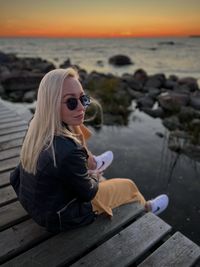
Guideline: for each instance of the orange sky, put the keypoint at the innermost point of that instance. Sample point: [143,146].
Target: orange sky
[102,18]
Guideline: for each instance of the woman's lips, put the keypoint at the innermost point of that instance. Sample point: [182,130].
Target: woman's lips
[81,116]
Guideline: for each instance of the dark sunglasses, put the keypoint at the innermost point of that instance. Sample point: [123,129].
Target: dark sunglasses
[72,102]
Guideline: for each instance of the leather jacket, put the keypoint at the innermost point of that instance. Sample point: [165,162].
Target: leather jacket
[58,198]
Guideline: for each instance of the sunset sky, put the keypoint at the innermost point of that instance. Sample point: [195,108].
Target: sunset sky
[102,18]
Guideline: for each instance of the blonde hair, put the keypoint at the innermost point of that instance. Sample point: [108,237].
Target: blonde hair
[46,122]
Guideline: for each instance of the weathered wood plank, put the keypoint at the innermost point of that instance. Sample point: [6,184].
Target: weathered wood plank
[13,129]
[17,118]
[12,124]
[12,214]
[10,144]
[4,178]
[8,164]
[19,238]
[65,247]
[11,136]
[4,110]
[7,114]
[7,194]
[178,251]
[9,153]
[128,245]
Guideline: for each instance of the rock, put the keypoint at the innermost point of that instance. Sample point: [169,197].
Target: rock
[120,60]
[66,64]
[156,81]
[155,113]
[173,101]
[167,43]
[100,63]
[2,90]
[161,135]
[170,84]
[29,96]
[172,123]
[140,76]
[145,102]
[131,82]
[190,82]
[195,102]
[186,114]
[22,81]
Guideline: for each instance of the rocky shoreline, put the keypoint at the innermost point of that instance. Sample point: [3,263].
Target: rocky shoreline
[175,100]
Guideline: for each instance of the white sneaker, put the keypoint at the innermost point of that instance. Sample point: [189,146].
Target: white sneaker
[159,204]
[103,161]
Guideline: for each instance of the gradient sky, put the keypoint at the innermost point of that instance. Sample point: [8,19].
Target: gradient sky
[102,18]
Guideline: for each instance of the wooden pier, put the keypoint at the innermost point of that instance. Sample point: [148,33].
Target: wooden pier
[131,238]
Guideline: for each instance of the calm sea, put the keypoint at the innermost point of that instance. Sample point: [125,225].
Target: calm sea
[168,55]
[139,153]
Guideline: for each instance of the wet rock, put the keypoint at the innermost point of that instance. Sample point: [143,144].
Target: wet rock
[120,60]
[155,113]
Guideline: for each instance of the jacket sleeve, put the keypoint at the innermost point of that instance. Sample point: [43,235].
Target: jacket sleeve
[15,179]
[74,172]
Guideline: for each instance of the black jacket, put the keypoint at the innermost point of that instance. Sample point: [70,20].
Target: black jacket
[58,197]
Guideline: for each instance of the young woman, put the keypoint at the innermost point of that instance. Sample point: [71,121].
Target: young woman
[52,180]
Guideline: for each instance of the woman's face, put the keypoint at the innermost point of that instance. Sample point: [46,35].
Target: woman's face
[72,89]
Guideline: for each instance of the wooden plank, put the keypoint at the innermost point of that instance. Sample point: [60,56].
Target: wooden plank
[7,194]
[10,153]
[7,114]
[8,164]
[13,129]
[65,247]
[19,238]
[12,214]
[128,245]
[178,251]
[10,144]
[12,124]
[11,136]
[4,110]
[17,118]
[4,178]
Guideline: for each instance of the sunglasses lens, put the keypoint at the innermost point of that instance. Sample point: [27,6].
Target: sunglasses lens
[72,103]
[85,100]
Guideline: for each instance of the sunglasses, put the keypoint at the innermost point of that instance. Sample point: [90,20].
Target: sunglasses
[72,102]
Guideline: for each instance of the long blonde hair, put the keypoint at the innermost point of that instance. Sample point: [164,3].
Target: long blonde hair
[46,122]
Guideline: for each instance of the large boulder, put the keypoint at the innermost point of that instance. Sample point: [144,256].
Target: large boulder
[120,60]
[173,101]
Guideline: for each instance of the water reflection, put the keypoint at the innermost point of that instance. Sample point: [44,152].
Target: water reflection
[142,155]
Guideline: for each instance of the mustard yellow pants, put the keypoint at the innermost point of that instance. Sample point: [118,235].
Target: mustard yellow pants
[115,192]
[112,193]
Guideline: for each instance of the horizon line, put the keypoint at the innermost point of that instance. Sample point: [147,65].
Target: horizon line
[100,37]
